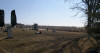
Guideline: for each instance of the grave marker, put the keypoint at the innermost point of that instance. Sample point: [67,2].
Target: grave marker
[9,32]
[35,27]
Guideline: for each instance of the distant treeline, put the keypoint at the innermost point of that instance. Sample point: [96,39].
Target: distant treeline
[62,28]
[58,28]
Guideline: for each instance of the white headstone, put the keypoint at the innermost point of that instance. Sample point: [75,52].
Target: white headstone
[9,32]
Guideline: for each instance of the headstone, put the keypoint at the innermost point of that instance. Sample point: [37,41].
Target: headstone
[38,32]
[35,27]
[9,30]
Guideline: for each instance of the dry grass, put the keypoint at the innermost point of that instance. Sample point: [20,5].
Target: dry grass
[48,42]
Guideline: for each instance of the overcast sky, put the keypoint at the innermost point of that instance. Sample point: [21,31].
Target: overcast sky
[43,12]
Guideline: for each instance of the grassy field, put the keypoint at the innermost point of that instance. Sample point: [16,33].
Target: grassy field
[26,41]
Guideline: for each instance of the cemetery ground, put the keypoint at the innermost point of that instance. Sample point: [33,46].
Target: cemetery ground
[26,41]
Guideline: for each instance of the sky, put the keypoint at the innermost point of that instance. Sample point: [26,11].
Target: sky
[43,12]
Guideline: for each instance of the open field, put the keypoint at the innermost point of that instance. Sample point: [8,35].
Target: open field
[26,41]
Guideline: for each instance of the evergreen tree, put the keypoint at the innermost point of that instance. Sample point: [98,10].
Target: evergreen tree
[13,18]
[1,18]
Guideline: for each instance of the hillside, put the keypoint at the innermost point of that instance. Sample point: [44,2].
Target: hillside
[26,41]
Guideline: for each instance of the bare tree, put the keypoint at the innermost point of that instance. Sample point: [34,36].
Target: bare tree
[92,7]
[92,10]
